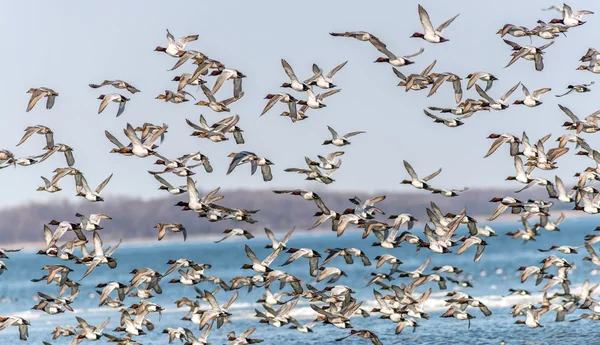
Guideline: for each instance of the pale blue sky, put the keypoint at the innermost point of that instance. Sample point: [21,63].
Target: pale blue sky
[66,48]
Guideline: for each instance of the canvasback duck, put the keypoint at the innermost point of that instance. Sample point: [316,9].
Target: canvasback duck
[280,97]
[416,81]
[185,79]
[172,227]
[571,18]
[224,75]
[119,84]
[175,47]
[295,84]
[487,77]
[359,35]
[16,321]
[392,59]
[214,104]
[216,133]
[184,56]
[113,97]
[580,88]
[340,140]
[432,35]
[67,150]
[593,67]
[514,30]
[365,334]
[453,122]
[449,77]
[175,97]
[38,129]
[324,82]
[415,181]
[49,187]
[529,53]
[591,55]
[532,100]
[316,101]
[39,93]
[549,31]
[255,161]
[90,195]
[497,104]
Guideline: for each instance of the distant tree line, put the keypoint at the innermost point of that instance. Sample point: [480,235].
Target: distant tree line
[135,218]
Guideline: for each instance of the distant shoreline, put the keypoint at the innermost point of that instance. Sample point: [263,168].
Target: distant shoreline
[177,238]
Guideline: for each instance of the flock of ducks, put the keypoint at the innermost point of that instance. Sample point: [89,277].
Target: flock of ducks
[334,304]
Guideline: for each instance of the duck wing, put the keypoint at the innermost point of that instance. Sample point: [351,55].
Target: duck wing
[522,52]
[237,88]
[351,134]
[538,93]
[445,24]
[512,44]
[428,69]
[335,70]
[28,133]
[410,170]
[590,250]
[438,82]
[236,161]
[425,21]
[130,133]
[474,79]
[226,74]
[539,62]
[209,94]
[457,89]
[333,132]
[69,157]
[192,191]
[103,184]
[250,254]
[437,172]
[239,139]
[509,92]
[266,173]
[383,49]
[415,54]
[545,46]
[432,116]
[121,106]
[482,93]
[104,103]
[35,97]
[328,93]
[114,140]
[569,113]
[288,70]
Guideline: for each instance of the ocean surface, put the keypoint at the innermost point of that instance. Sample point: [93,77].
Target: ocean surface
[491,277]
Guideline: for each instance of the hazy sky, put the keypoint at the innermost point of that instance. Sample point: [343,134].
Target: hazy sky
[66,48]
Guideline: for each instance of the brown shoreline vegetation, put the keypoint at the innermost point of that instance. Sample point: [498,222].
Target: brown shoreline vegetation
[134,218]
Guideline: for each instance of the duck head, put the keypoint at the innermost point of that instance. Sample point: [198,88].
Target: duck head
[382,59]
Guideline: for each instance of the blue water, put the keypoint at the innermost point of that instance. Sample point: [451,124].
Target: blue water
[491,277]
